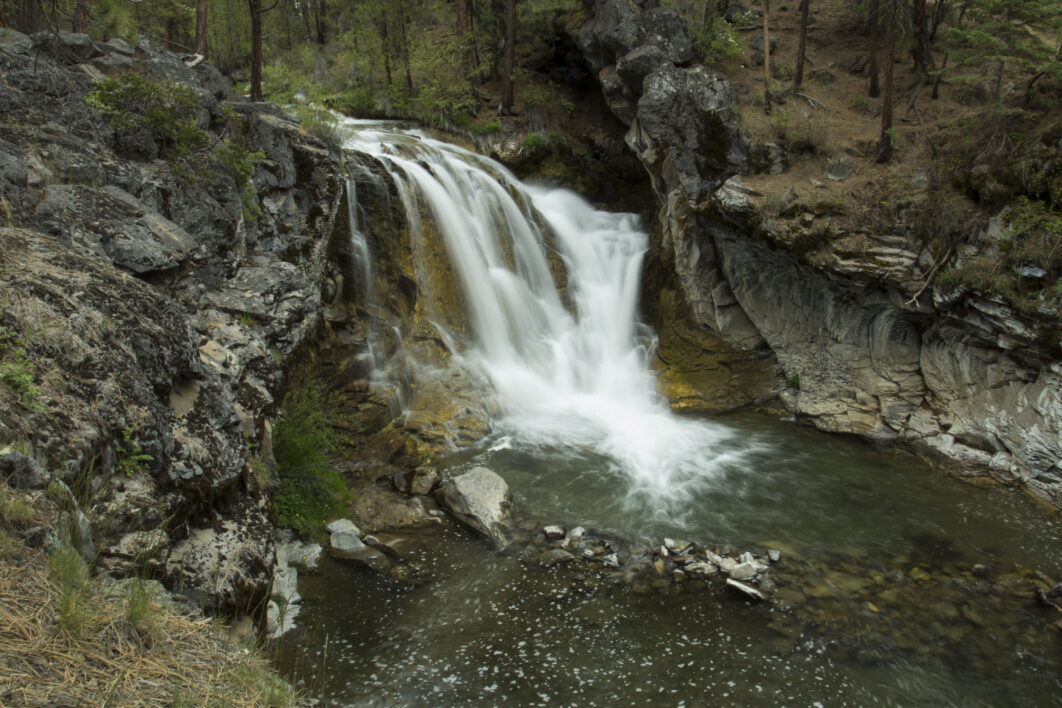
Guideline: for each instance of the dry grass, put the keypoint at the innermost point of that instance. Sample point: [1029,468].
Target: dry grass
[125,654]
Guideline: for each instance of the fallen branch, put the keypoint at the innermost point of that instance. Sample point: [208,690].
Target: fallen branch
[813,102]
[929,278]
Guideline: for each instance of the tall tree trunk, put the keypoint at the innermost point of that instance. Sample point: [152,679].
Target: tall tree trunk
[386,44]
[201,27]
[171,32]
[80,17]
[767,57]
[462,18]
[306,10]
[874,91]
[923,58]
[798,75]
[406,53]
[319,20]
[510,56]
[885,141]
[256,49]
[938,17]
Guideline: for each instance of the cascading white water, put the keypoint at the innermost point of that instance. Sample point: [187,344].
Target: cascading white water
[575,378]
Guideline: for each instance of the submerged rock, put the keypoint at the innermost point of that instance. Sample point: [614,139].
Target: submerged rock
[480,499]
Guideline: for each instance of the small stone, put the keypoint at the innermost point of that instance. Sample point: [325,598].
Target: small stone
[702,568]
[919,574]
[679,576]
[588,553]
[872,607]
[659,565]
[743,571]
[345,535]
[774,555]
[841,169]
[747,589]
[746,557]
[817,184]
[553,533]
[726,565]
[611,560]
[574,536]
[677,547]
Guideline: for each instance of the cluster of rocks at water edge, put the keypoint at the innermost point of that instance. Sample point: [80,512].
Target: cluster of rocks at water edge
[669,568]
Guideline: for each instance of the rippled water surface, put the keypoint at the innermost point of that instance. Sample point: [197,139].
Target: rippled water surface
[858,525]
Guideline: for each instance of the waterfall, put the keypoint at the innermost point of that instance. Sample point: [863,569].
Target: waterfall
[360,258]
[570,368]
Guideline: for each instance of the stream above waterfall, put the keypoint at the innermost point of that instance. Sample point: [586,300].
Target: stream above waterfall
[890,582]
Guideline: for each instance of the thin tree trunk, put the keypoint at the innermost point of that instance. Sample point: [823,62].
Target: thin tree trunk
[201,27]
[462,18]
[80,17]
[320,13]
[306,10]
[874,91]
[923,58]
[171,32]
[766,57]
[510,56]
[944,62]
[885,141]
[998,91]
[798,75]
[256,49]
[384,41]
[407,54]
[938,18]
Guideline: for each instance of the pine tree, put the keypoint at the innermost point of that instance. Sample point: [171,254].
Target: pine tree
[1006,34]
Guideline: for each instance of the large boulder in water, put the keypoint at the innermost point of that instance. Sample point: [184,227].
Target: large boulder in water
[481,499]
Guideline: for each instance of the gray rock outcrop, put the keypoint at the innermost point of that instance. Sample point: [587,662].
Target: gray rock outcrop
[480,499]
[862,344]
[155,311]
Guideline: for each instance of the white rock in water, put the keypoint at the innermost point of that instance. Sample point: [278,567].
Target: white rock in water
[574,536]
[747,589]
[743,571]
[702,568]
[775,555]
[553,532]
[611,560]
[345,535]
[481,499]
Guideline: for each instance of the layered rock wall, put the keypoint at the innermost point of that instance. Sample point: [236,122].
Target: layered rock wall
[860,345]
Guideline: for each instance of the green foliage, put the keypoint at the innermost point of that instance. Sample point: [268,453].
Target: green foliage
[311,491]
[534,141]
[715,39]
[16,368]
[15,511]
[860,104]
[493,126]
[139,604]
[132,102]
[997,34]
[131,459]
[167,110]
[71,577]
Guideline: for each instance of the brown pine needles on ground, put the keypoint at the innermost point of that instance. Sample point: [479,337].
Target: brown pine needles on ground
[108,660]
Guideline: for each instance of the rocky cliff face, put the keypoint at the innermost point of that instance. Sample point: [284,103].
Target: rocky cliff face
[155,318]
[860,347]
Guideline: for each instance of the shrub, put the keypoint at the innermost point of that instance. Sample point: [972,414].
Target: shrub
[71,578]
[311,490]
[131,459]
[16,368]
[168,110]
